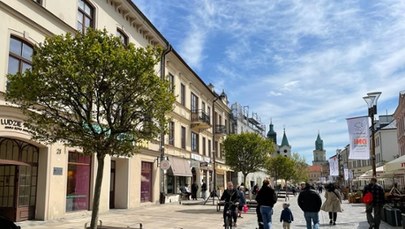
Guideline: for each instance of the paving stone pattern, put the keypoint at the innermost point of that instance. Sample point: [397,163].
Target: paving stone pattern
[194,215]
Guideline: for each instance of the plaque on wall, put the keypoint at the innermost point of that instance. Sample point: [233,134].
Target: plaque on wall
[58,171]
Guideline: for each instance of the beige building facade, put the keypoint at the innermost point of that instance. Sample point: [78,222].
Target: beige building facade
[41,181]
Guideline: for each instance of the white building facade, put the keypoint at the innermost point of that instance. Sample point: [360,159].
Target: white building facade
[55,180]
[242,122]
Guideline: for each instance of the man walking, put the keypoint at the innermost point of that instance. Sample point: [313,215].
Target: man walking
[376,205]
[310,203]
[266,198]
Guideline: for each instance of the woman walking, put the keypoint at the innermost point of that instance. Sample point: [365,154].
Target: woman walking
[333,202]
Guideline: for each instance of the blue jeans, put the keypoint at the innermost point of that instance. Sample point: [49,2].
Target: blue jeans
[266,212]
[312,216]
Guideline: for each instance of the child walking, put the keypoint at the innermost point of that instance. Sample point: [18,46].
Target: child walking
[286,216]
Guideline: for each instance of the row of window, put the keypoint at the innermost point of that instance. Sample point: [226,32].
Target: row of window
[21,51]
[195,141]
[194,101]
[20,59]
[85,20]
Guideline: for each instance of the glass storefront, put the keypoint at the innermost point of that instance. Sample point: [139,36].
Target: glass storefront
[220,182]
[78,182]
[146,181]
[174,183]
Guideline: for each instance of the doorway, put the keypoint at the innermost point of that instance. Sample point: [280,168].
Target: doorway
[18,179]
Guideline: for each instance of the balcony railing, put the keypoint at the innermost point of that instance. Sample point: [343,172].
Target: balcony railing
[220,130]
[200,120]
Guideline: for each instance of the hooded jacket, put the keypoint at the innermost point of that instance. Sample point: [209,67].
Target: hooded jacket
[309,200]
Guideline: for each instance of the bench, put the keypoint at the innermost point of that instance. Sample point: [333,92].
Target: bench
[251,203]
[283,194]
[183,196]
[219,204]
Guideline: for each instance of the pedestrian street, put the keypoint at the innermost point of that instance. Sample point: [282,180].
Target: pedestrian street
[195,215]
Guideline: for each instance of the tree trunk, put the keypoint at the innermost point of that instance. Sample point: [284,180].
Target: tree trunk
[244,179]
[97,190]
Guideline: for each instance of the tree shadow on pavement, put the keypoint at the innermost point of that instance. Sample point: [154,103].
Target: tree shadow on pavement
[200,211]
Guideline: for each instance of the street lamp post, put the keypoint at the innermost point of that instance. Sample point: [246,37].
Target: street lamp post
[371,100]
[215,148]
[339,157]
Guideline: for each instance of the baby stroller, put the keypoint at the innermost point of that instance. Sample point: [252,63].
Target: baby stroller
[259,218]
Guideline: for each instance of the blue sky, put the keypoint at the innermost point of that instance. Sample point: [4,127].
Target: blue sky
[304,64]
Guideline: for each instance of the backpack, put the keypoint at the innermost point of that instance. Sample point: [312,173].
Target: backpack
[368,198]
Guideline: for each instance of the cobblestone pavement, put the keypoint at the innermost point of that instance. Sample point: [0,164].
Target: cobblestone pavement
[193,215]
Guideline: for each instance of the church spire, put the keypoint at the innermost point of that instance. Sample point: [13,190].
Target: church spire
[319,142]
[272,134]
[284,142]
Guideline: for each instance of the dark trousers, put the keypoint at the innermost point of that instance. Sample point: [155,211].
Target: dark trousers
[333,216]
[374,215]
[233,212]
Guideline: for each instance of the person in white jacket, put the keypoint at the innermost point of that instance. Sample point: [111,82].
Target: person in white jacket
[333,202]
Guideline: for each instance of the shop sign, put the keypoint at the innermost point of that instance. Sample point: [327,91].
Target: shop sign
[196,157]
[13,125]
[195,164]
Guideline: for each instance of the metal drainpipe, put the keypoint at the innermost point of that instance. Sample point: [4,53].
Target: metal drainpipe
[162,135]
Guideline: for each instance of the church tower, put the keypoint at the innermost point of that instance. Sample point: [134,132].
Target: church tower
[319,152]
[285,148]
[272,135]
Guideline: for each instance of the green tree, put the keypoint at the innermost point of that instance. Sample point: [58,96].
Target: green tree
[247,152]
[280,167]
[300,168]
[90,91]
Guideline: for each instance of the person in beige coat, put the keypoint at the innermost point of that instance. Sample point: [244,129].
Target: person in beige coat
[333,202]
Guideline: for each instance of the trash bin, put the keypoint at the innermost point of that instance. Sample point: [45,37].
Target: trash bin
[162,198]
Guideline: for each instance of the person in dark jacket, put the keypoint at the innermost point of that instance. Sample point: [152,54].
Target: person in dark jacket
[310,203]
[242,202]
[377,204]
[266,198]
[203,189]
[230,195]
[286,216]
[194,189]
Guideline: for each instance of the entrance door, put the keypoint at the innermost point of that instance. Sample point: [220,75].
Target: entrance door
[8,191]
[15,190]
[18,179]
[24,193]
[112,185]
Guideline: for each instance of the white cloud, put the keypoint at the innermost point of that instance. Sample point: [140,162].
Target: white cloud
[305,64]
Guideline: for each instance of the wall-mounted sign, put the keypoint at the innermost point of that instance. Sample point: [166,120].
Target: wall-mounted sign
[58,171]
[13,125]
[165,164]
